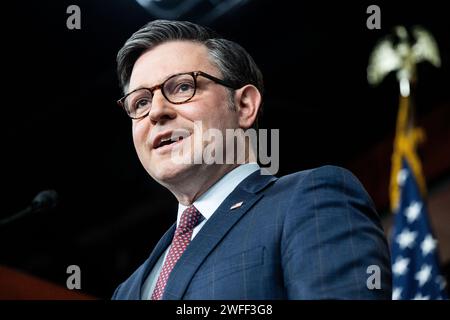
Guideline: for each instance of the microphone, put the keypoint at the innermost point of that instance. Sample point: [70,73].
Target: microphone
[44,200]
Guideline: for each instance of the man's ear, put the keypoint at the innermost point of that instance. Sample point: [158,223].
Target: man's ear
[247,102]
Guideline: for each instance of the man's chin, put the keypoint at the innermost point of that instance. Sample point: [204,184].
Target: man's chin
[170,173]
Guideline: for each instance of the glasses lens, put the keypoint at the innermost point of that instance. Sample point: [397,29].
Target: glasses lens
[179,88]
[138,103]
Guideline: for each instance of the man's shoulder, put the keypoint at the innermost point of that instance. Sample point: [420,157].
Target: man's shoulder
[327,172]
[319,182]
[322,184]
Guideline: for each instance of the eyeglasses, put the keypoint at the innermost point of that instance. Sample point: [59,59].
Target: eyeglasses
[178,88]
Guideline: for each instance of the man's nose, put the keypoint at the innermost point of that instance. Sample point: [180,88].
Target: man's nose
[161,109]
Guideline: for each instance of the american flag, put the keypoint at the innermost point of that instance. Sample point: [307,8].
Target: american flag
[415,262]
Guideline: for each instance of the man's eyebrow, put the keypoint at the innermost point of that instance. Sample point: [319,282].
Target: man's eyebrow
[139,87]
[161,81]
[146,87]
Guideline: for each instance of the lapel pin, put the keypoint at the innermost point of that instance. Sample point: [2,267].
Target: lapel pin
[236,205]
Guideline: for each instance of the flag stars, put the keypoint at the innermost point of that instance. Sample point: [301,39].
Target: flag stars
[397,293]
[406,239]
[441,282]
[419,296]
[400,266]
[415,271]
[423,275]
[428,245]
[413,211]
[401,177]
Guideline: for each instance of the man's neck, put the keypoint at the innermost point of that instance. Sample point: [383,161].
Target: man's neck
[196,183]
[192,191]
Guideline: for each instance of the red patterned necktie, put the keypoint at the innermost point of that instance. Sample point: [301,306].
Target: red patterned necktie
[189,219]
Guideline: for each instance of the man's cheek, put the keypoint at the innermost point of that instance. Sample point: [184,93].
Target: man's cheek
[139,140]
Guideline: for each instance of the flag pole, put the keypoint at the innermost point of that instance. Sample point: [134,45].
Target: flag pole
[415,261]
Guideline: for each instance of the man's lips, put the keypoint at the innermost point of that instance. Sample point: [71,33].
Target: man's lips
[164,148]
[168,138]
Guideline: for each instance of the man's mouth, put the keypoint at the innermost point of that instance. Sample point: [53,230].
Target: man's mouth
[170,138]
[166,142]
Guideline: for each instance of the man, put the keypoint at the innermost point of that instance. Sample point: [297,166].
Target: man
[239,234]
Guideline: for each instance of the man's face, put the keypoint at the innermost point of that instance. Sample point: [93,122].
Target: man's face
[210,105]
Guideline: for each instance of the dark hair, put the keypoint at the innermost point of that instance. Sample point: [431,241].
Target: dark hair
[233,61]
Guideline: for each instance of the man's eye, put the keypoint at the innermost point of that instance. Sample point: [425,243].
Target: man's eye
[183,87]
[142,103]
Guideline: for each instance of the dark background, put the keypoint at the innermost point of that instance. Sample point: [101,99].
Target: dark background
[65,132]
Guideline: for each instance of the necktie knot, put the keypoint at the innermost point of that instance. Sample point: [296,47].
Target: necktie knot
[190,218]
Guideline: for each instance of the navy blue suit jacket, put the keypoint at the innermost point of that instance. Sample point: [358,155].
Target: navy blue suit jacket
[309,235]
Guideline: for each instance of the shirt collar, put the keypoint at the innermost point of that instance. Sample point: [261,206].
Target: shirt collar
[208,202]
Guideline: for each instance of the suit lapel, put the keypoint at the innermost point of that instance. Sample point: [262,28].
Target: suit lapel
[223,219]
[161,246]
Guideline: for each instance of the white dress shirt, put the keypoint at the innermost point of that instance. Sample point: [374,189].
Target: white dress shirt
[207,204]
